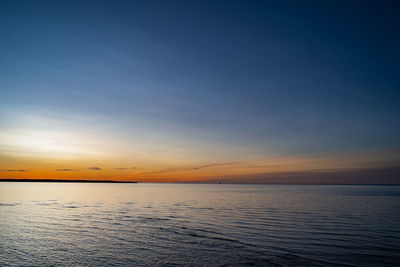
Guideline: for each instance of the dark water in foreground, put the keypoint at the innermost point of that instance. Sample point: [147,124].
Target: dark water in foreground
[59,224]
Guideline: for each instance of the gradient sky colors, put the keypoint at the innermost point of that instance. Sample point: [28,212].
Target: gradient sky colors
[241,91]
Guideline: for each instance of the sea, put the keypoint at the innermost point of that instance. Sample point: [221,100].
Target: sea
[148,224]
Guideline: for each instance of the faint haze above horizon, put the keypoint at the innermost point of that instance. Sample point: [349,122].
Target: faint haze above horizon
[183,91]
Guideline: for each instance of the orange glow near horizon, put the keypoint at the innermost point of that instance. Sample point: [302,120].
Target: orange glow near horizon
[90,170]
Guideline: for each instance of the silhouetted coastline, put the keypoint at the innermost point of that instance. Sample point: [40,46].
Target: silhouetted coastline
[63,181]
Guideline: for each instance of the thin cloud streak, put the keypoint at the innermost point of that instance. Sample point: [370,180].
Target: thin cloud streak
[94,168]
[215,165]
[192,168]
[12,170]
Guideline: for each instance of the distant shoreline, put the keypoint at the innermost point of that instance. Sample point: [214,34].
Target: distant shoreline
[65,181]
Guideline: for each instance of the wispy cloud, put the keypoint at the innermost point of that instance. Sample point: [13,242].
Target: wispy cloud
[94,168]
[12,170]
[214,165]
[64,170]
[125,168]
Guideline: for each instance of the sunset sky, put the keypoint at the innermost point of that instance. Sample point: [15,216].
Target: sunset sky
[176,91]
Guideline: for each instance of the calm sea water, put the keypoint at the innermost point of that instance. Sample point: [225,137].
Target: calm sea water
[64,224]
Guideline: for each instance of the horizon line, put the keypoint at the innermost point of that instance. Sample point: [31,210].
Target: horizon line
[188,182]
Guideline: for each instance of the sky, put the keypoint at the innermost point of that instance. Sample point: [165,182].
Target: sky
[201,91]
